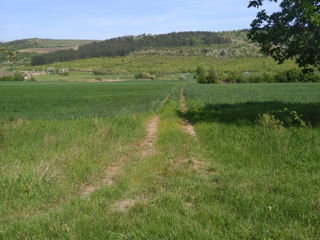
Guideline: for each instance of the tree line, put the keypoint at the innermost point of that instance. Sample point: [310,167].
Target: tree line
[122,46]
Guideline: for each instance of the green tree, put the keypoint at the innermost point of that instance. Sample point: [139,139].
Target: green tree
[201,75]
[212,76]
[291,32]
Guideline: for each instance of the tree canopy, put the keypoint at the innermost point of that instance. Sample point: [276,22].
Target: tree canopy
[291,32]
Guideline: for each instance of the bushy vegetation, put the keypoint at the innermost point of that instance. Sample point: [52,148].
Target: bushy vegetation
[144,75]
[16,77]
[296,75]
[203,76]
[290,75]
[122,46]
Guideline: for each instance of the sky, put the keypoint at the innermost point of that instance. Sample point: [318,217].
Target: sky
[103,19]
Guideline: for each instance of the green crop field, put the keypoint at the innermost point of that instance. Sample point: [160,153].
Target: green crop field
[116,160]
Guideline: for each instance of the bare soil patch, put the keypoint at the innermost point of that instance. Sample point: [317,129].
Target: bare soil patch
[108,180]
[186,124]
[151,136]
[124,205]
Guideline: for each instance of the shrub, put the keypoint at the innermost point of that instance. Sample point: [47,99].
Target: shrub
[7,78]
[311,77]
[261,78]
[18,77]
[296,75]
[290,118]
[267,77]
[235,77]
[212,76]
[279,119]
[269,121]
[201,75]
[291,75]
[144,75]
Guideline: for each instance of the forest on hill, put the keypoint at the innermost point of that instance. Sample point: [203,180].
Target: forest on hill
[122,46]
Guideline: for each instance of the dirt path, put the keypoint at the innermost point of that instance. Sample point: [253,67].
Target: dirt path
[186,124]
[146,145]
[145,148]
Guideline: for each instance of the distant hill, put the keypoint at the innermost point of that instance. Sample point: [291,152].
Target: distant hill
[122,46]
[42,43]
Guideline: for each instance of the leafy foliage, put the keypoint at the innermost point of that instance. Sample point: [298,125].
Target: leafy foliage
[293,32]
[204,76]
[289,75]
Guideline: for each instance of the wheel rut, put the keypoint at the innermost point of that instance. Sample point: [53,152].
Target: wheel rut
[186,124]
[144,148]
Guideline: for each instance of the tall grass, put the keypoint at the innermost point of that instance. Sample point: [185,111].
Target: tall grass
[240,179]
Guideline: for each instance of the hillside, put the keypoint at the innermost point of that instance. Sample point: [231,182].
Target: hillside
[122,46]
[228,44]
[42,43]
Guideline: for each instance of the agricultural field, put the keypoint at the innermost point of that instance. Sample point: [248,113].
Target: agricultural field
[159,160]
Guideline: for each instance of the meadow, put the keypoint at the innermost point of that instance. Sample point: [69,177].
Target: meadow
[243,176]
[133,64]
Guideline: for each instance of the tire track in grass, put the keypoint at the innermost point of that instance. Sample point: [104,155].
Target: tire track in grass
[186,124]
[188,128]
[145,148]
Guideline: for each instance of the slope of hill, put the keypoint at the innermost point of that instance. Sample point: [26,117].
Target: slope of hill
[239,46]
[122,46]
[42,43]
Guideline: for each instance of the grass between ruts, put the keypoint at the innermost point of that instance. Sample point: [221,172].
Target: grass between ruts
[239,180]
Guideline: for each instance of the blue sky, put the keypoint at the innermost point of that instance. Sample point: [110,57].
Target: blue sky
[98,19]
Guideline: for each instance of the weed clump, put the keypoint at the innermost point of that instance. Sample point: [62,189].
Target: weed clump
[279,119]
[269,121]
